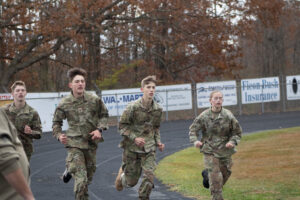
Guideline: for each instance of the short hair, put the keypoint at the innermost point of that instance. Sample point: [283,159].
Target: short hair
[214,92]
[148,80]
[74,72]
[17,83]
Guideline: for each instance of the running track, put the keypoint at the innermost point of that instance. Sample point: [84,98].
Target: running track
[48,161]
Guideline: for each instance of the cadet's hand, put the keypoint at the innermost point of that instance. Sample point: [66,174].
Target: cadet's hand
[161,146]
[139,141]
[63,139]
[198,144]
[96,134]
[229,145]
[27,130]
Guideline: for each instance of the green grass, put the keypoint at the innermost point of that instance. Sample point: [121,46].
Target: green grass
[266,166]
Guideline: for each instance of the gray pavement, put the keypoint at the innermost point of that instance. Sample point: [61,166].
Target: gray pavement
[48,161]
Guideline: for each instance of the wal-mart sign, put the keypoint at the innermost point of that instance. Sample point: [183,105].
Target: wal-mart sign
[228,88]
[172,97]
[260,90]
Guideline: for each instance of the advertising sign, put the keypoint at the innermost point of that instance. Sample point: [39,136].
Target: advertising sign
[46,107]
[116,100]
[260,90]
[5,99]
[172,97]
[228,88]
[293,87]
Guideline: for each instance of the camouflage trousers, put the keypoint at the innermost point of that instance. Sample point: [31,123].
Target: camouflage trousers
[28,148]
[81,163]
[133,165]
[219,171]
[28,154]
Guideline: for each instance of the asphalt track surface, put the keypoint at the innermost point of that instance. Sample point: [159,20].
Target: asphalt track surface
[48,161]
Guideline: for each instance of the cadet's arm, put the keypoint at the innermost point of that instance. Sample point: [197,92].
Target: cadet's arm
[125,124]
[236,132]
[17,180]
[10,169]
[57,122]
[193,132]
[157,131]
[37,127]
[103,116]
[102,121]
[160,145]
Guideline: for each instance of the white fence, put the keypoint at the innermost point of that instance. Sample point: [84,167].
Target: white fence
[172,97]
[178,97]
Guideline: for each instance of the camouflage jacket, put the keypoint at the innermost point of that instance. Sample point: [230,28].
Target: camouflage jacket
[137,121]
[25,116]
[217,129]
[84,115]
[12,157]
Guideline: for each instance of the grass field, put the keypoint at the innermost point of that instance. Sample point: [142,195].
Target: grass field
[266,167]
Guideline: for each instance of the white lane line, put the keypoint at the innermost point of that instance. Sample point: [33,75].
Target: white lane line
[94,195]
[101,163]
[107,160]
[42,154]
[41,169]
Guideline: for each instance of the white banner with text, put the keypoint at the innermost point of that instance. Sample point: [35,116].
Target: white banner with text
[228,88]
[171,97]
[260,90]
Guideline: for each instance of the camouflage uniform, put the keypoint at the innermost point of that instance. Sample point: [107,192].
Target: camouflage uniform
[137,121]
[217,130]
[84,115]
[21,117]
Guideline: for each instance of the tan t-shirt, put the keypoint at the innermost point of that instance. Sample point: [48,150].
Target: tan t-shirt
[12,157]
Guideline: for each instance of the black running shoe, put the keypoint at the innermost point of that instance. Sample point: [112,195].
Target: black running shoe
[205,178]
[66,176]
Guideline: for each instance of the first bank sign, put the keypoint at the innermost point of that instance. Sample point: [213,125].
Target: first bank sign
[260,90]
[293,87]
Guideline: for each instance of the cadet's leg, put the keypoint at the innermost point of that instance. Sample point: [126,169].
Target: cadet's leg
[148,166]
[132,169]
[225,166]
[215,176]
[76,166]
[90,160]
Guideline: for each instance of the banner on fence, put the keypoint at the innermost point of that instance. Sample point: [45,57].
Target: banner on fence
[172,97]
[116,100]
[228,88]
[46,107]
[293,87]
[260,90]
[43,103]
[5,99]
